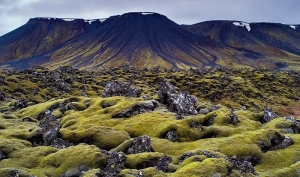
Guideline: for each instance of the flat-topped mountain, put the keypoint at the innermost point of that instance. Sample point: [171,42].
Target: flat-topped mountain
[143,39]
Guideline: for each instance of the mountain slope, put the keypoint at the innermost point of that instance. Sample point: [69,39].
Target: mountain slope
[248,38]
[40,35]
[148,40]
[142,40]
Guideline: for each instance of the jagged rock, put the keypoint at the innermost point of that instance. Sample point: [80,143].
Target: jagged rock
[172,135]
[137,109]
[185,156]
[77,173]
[213,108]
[268,115]
[1,80]
[2,156]
[294,128]
[118,88]
[115,163]
[35,91]
[280,142]
[14,173]
[49,127]
[161,164]
[140,144]
[2,96]
[233,118]
[203,111]
[242,165]
[21,103]
[71,106]
[196,125]
[180,102]
[277,141]
[27,119]
[69,80]
[210,120]
[66,69]
[209,155]
[60,143]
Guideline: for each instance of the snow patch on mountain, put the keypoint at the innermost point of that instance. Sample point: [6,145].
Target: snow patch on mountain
[90,21]
[293,26]
[243,24]
[146,13]
[68,19]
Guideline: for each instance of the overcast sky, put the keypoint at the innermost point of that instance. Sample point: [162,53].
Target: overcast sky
[14,13]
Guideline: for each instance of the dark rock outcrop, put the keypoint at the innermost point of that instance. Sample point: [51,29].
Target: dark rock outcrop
[118,88]
[49,127]
[268,115]
[277,141]
[161,164]
[185,156]
[115,163]
[241,165]
[137,109]
[140,144]
[177,101]
[2,156]
[172,135]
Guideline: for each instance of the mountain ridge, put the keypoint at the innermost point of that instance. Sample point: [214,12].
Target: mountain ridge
[148,39]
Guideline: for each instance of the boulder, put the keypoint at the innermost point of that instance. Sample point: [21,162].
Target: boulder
[118,88]
[241,165]
[268,115]
[2,156]
[137,109]
[115,163]
[161,164]
[49,127]
[172,135]
[140,144]
[177,101]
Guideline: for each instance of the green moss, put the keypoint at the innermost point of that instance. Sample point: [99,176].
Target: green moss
[209,167]
[70,158]
[8,145]
[103,137]
[134,160]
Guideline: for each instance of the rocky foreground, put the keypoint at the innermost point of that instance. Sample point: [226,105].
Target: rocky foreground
[128,122]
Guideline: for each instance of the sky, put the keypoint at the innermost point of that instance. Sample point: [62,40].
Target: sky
[15,13]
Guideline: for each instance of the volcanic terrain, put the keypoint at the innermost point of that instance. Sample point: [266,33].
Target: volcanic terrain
[148,40]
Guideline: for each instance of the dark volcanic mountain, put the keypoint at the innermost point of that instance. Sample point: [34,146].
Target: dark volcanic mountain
[140,39]
[149,40]
[40,35]
[276,42]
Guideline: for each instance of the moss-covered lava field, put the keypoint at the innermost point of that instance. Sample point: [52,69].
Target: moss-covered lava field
[157,122]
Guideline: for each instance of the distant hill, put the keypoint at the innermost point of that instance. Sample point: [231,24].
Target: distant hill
[143,39]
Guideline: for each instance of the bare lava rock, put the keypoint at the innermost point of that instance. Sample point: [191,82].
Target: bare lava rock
[49,127]
[241,165]
[277,141]
[140,144]
[268,115]
[115,163]
[118,88]
[137,109]
[177,101]
[161,164]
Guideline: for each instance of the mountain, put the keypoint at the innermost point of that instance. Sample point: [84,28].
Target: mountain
[143,39]
[271,41]
[40,35]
